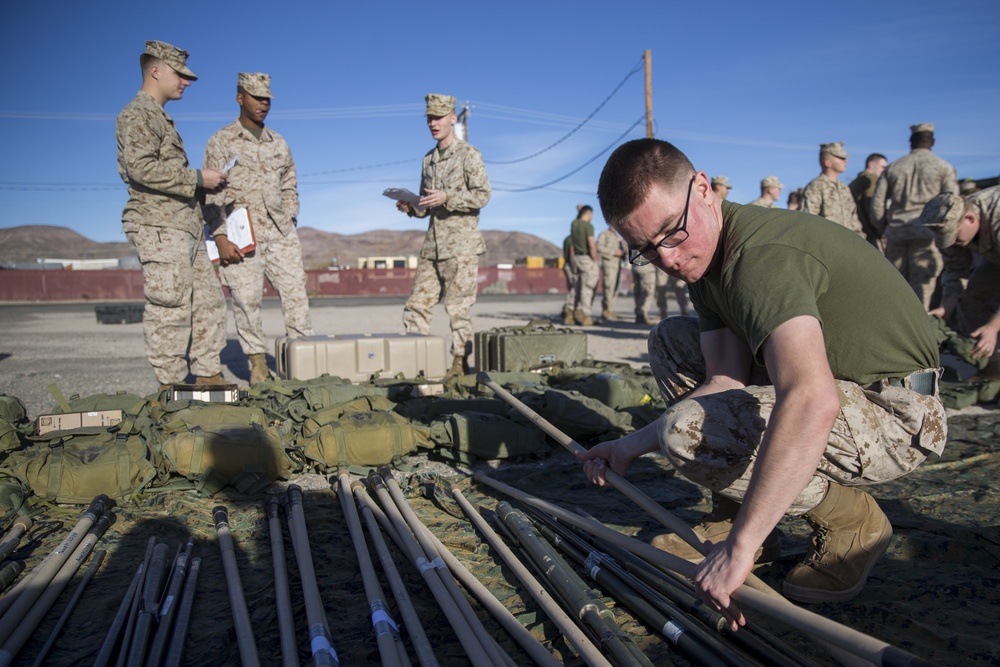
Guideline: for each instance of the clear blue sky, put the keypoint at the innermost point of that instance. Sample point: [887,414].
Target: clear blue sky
[745,89]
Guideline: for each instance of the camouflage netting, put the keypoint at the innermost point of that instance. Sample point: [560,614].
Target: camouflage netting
[936,593]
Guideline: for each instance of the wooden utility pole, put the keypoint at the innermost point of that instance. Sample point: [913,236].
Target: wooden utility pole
[649,93]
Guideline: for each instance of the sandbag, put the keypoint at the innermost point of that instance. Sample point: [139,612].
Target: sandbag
[76,467]
[467,436]
[367,439]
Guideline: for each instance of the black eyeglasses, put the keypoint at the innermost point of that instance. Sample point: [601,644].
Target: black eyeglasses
[649,253]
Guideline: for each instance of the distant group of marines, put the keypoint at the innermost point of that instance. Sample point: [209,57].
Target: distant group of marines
[885,204]
[809,372]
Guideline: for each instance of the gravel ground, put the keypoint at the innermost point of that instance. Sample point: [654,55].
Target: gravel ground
[42,344]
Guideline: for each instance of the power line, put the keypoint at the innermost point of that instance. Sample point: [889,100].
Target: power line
[600,106]
[614,143]
[362,167]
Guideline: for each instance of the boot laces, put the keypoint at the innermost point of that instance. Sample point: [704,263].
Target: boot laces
[819,545]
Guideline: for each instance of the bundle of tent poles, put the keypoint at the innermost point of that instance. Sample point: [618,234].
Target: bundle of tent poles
[532,542]
[26,605]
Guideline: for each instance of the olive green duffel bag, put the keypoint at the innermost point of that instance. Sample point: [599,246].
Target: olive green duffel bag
[219,444]
[363,439]
[467,436]
[78,465]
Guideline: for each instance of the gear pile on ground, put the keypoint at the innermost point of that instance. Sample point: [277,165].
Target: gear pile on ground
[935,593]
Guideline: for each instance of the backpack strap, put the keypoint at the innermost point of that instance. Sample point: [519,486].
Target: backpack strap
[56,461]
[60,399]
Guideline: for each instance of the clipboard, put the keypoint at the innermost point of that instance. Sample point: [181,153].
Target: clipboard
[402,194]
[239,230]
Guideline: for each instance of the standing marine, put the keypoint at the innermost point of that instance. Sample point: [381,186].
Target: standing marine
[453,188]
[263,182]
[611,250]
[770,192]
[185,310]
[900,195]
[826,195]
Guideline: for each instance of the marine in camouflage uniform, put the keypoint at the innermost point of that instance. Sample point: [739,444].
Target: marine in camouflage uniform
[644,291]
[263,182]
[666,283]
[826,196]
[900,195]
[163,221]
[611,249]
[968,233]
[454,187]
[770,399]
[770,192]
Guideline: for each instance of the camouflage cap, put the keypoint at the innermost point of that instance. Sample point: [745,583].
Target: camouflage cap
[943,214]
[255,83]
[967,186]
[440,105]
[170,54]
[721,180]
[836,149]
[922,127]
[771,182]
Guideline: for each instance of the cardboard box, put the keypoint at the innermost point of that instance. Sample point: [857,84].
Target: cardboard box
[209,393]
[70,420]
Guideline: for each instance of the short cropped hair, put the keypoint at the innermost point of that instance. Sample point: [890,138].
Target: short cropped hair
[146,61]
[875,157]
[633,169]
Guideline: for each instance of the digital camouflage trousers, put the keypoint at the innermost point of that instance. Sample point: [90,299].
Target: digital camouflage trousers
[882,432]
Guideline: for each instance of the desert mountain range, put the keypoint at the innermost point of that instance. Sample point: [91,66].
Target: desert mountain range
[319,249]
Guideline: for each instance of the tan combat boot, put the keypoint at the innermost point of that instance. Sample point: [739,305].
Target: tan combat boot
[258,369]
[850,534]
[210,379]
[609,316]
[568,317]
[716,528]
[583,319]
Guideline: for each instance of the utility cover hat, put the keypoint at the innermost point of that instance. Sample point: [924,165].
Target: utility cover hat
[922,127]
[257,84]
[170,54]
[771,182]
[836,149]
[440,105]
[721,180]
[943,215]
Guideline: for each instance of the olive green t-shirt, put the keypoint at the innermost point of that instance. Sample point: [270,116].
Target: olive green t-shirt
[580,231]
[773,265]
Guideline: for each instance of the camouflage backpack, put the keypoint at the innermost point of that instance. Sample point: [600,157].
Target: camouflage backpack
[13,422]
[220,444]
[74,465]
[292,400]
